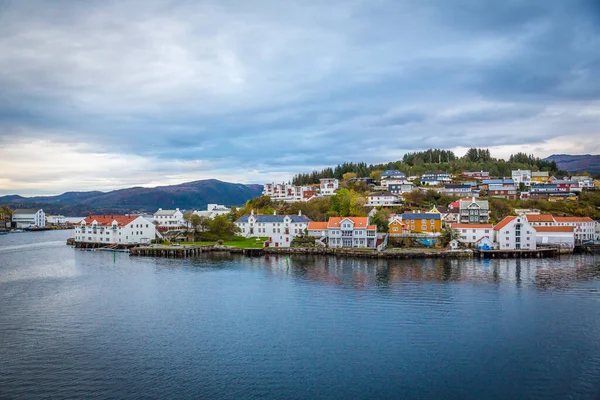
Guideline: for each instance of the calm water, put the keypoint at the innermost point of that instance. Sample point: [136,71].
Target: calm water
[77,324]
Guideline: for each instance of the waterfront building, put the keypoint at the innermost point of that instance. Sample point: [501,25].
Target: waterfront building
[420,222]
[115,229]
[474,211]
[515,233]
[169,218]
[555,235]
[328,186]
[540,219]
[28,218]
[470,234]
[317,229]
[56,219]
[4,222]
[584,227]
[383,199]
[261,225]
[397,226]
[352,232]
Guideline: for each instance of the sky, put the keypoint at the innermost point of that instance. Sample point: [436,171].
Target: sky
[106,94]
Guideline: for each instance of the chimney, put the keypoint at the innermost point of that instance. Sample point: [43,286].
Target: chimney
[299,213]
[252,212]
[275,212]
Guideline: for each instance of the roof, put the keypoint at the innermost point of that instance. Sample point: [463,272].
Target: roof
[106,220]
[504,222]
[392,172]
[317,226]
[458,185]
[382,194]
[359,222]
[418,216]
[573,219]
[165,212]
[472,226]
[554,228]
[539,218]
[274,218]
[25,211]
[397,220]
[463,203]
[498,181]
[539,173]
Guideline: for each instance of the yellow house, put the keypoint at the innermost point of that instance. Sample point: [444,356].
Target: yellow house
[423,222]
[540,177]
[397,227]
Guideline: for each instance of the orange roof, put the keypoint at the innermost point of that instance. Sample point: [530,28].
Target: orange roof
[317,226]
[372,227]
[359,222]
[472,226]
[105,220]
[398,221]
[504,222]
[539,218]
[554,228]
[573,219]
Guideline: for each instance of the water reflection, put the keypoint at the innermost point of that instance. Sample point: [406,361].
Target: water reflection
[366,273]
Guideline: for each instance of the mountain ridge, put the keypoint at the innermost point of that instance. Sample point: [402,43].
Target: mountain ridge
[188,195]
[577,163]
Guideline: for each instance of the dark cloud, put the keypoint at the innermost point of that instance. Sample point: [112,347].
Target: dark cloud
[297,86]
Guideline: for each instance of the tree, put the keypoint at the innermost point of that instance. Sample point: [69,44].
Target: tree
[222,227]
[195,221]
[380,220]
[447,235]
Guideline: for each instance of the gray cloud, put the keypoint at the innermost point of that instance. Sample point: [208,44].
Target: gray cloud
[279,88]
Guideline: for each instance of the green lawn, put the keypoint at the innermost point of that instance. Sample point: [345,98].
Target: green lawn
[239,242]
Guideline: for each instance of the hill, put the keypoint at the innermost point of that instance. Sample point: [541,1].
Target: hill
[580,163]
[190,195]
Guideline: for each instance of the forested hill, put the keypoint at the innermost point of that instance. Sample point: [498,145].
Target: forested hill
[420,162]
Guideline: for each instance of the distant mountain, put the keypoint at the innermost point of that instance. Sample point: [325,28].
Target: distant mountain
[581,163]
[190,195]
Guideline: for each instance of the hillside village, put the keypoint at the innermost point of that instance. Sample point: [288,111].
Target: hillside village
[362,207]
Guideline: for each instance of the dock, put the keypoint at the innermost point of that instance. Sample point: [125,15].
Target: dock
[538,253]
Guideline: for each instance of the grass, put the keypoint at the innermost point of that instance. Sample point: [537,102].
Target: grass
[239,242]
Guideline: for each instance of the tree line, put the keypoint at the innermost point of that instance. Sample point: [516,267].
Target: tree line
[419,162]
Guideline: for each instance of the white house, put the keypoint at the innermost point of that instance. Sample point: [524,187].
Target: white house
[212,210]
[328,186]
[400,188]
[169,218]
[28,217]
[115,229]
[385,199]
[555,235]
[515,233]
[521,176]
[346,232]
[260,225]
[56,219]
[289,193]
[393,174]
[472,233]
[584,227]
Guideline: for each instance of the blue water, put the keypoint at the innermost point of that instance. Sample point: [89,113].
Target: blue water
[95,325]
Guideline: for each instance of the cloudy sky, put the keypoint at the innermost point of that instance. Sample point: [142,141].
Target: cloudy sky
[109,93]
